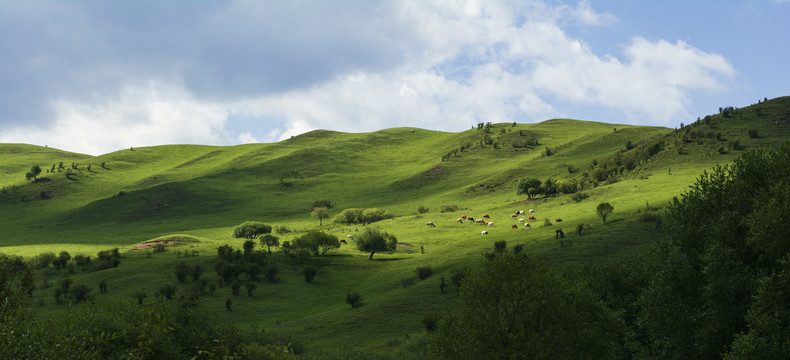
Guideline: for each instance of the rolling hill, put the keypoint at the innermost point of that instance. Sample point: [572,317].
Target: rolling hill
[124,198]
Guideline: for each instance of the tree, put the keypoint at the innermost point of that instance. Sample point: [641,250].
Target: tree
[530,187]
[321,213]
[248,246]
[309,272]
[269,240]
[604,209]
[317,242]
[182,270]
[79,292]
[251,230]
[515,307]
[33,173]
[250,288]
[140,295]
[372,240]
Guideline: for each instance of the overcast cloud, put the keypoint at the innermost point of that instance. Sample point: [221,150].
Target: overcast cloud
[96,76]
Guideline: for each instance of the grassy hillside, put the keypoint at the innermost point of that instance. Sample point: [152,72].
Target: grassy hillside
[202,192]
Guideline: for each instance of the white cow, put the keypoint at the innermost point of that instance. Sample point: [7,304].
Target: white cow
[484,232]
[521,212]
[531,211]
[521,220]
[490,224]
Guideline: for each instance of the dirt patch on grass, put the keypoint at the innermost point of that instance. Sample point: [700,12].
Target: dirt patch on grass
[167,241]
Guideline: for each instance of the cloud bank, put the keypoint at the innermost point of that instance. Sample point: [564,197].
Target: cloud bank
[95,77]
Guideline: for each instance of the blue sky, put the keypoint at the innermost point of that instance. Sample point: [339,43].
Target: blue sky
[99,76]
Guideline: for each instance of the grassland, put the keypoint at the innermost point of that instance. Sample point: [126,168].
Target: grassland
[202,192]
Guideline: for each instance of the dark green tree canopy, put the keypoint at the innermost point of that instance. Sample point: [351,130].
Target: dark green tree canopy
[318,242]
[251,230]
[372,240]
[530,187]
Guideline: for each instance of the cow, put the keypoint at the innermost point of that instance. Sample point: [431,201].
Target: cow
[531,211]
[514,216]
[459,220]
[349,236]
[479,221]
[430,224]
[514,226]
[557,220]
[463,216]
[343,241]
[486,216]
[521,212]
[470,219]
[490,224]
[521,220]
[527,225]
[484,232]
[532,218]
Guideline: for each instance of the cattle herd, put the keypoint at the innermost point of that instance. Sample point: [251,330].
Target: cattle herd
[468,219]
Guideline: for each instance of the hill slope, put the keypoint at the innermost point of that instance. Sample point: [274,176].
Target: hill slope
[202,192]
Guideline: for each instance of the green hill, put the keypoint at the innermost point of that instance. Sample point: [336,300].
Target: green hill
[138,195]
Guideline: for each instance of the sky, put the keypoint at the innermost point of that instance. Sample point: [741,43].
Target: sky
[99,76]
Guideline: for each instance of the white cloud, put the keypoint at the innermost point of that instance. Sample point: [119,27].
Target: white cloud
[443,65]
[154,114]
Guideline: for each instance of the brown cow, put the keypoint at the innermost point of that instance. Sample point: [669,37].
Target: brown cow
[459,220]
[514,226]
[343,241]
[532,218]
[527,225]
[557,220]
[463,216]
[430,224]
[514,216]
[470,219]
[486,216]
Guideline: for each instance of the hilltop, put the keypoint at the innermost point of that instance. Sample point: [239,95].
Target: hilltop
[137,195]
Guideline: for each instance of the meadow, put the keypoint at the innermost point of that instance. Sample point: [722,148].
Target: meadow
[199,194]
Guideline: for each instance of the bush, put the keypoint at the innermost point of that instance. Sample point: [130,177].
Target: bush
[449,208]
[430,321]
[406,282]
[424,272]
[422,210]
[500,246]
[235,285]
[546,222]
[250,288]
[282,230]
[354,299]
[579,196]
[322,203]
[309,272]
[270,272]
[753,133]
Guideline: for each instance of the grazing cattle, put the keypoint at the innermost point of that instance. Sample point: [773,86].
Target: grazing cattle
[521,220]
[484,232]
[343,241]
[521,212]
[479,221]
[470,219]
[514,226]
[430,224]
[557,220]
[532,217]
[459,220]
[486,216]
[527,225]
[514,216]
[463,216]
[490,224]
[349,236]
[531,211]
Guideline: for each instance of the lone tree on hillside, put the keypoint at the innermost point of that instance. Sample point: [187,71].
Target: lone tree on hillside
[530,187]
[269,240]
[33,173]
[603,210]
[373,240]
[251,230]
[321,213]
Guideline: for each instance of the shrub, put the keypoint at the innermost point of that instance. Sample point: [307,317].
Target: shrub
[167,291]
[250,288]
[406,282]
[422,210]
[546,222]
[282,230]
[158,248]
[500,246]
[79,292]
[309,272]
[354,299]
[322,203]
[424,272]
[235,285]
[182,270]
[579,196]
[579,229]
[449,208]
[753,133]
[430,322]
[270,272]
[140,295]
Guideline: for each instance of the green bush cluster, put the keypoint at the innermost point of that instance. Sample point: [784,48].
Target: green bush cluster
[362,216]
